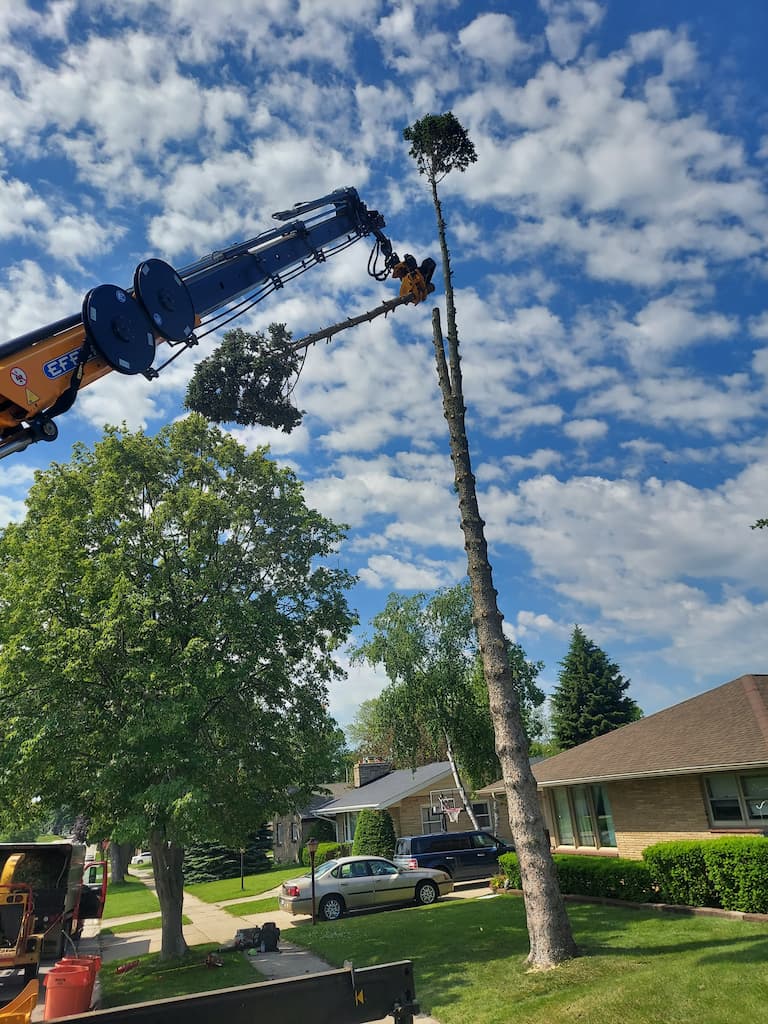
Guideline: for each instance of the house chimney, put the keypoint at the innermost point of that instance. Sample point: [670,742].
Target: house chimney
[369,770]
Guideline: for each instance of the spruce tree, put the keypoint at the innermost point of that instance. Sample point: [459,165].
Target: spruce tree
[590,698]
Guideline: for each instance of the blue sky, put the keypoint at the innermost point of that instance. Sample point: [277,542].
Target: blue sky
[609,252]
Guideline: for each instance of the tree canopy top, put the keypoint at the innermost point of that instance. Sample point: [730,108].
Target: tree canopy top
[439,145]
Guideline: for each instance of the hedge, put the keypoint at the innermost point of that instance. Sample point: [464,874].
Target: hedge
[325,851]
[679,872]
[730,872]
[737,867]
[617,878]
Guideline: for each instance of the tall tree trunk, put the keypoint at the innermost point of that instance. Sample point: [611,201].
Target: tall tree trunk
[459,783]
[119,857]
[168,862]
[549,930]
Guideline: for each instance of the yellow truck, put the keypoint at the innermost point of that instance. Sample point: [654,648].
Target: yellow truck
[47,892]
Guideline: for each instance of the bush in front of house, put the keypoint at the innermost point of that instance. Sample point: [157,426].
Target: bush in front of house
[374,834]
[737,868]
[325,851]
[679,873]
[615,878]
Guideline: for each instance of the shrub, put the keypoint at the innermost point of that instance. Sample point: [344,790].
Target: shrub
[614,878]
[737,868]
[325,851]
[679,873]
[374,834]
[509,864]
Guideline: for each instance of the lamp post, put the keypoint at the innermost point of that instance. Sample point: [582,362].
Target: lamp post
[242,867]
[312,847]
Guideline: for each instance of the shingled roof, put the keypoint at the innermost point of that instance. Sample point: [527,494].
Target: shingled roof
[725,728]
[720,730]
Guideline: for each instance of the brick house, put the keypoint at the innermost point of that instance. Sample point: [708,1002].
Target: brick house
[696,770]
[406,794]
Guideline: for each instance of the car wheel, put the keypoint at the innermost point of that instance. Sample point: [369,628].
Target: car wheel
[331,908]
[427,893]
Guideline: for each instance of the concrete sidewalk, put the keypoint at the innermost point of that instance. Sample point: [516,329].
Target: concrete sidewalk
[211,923]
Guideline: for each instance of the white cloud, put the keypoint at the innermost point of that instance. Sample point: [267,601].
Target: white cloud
[569,21]
[585,430]
[493,39]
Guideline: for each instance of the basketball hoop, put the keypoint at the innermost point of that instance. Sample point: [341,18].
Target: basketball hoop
[452,813]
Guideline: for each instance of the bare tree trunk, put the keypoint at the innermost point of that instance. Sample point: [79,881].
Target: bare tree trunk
[459,783]
[168,861]
[119,857]
[549,930]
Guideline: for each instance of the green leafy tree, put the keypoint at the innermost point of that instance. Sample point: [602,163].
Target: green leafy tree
[590,698]
[373,733]
[374,834]
[167,629]
[439,145]
[427,647]
[246,380]
[479,757]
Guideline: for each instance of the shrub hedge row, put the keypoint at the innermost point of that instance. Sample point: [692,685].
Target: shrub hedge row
[731,872]
[617,878]
[326,851]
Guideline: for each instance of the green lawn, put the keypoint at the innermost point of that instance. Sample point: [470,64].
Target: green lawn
[639,967]
[265,906]
[153,979]
[150,924]
[254,885]
[132,897]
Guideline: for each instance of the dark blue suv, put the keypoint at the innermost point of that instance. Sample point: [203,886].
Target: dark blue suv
[462,854]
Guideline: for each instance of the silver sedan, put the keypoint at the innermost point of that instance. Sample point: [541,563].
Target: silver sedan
[352,883]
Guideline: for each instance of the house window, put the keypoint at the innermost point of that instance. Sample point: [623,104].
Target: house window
[563,818]
[431,821]
[278,832]
[294,832]
[583,817]
[482,815]
[738,799]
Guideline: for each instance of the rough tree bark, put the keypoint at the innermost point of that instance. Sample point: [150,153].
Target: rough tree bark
[119,858]
[168,862]
[549,930]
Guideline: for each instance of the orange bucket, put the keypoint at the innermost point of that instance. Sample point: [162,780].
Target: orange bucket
[67,990]
[93,963]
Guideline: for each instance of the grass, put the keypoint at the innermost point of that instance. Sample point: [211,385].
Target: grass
[638,967]
[254,885]
[156,979]
[252,907]
[151,924]
[129,898]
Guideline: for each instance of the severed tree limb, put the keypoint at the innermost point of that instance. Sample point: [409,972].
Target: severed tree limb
[328,332]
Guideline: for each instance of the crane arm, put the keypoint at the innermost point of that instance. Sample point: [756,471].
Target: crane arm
[120,328]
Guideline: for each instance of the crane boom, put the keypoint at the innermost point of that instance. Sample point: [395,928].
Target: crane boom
[119,328]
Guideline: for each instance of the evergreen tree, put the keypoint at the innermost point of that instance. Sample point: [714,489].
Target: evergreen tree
[209,862]
[590,698]
[374,834]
